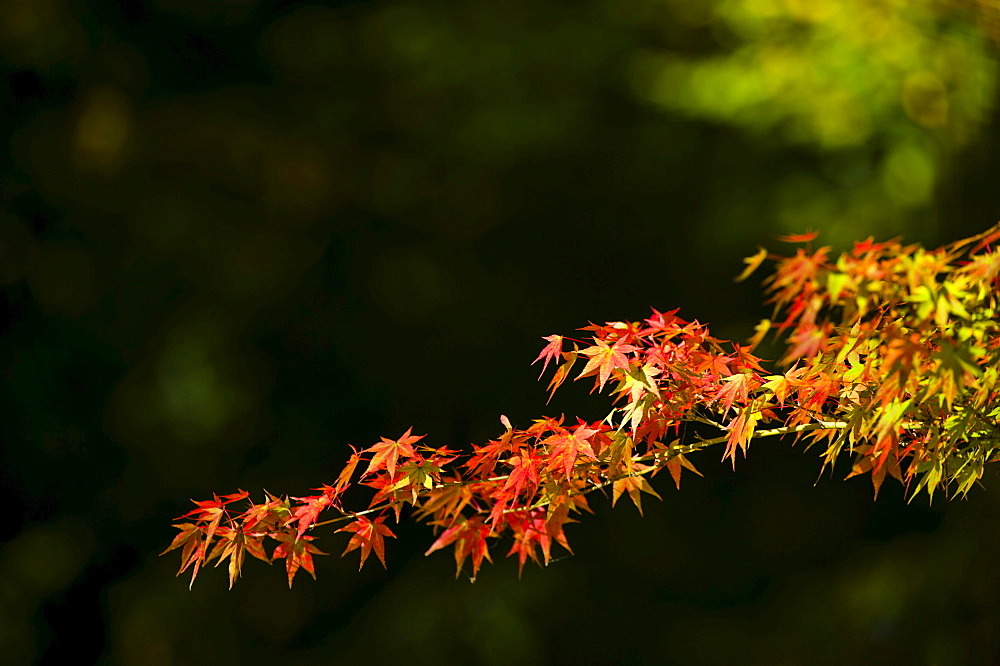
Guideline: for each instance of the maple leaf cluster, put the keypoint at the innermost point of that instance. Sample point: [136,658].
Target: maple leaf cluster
[893,358]
[901,345]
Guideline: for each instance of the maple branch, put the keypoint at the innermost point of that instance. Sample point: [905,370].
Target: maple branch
[356,514]
[880,360]
[657,457]
[690,448]
[785,430]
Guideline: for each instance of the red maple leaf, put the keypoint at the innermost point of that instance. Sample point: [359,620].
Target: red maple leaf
[741,429]
[211,512]
[799,238]
[344,479]
[367,535]
[233,545]
[484,459]
[660,322]
[469,538]
[523,479]
[297,552]
[448,501]
[274,512]
[387,452]
[529,533]
[553,350]
[190,538]
[735,388]
[562,372]
[312,506]
[566,447]
[866,246]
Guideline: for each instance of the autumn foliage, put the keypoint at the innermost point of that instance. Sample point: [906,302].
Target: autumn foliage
[892,360]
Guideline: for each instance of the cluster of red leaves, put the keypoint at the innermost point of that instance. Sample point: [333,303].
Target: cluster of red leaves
[894,353]
[527,483]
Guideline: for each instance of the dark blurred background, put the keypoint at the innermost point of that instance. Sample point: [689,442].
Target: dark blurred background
[238,235]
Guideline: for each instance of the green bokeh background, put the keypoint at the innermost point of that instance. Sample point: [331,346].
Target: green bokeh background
[238,235]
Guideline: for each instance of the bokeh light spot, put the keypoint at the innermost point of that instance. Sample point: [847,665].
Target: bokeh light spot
[102,131]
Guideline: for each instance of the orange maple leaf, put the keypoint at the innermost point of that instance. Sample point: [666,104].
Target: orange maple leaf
[469,538]
[297,552]
[553,350]
[387,452]
[367,535]
[604,358]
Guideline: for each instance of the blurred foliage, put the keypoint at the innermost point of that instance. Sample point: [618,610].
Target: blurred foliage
[237,236]
[888,93]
